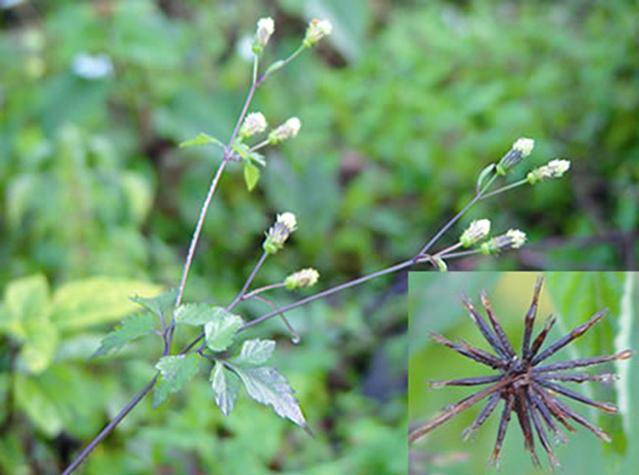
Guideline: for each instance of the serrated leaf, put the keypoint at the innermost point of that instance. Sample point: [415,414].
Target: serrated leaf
[251,175]
[267,386]
[199,313]
[225,387]
[129,329]
[255,352]
[175,372]
[158,305]
[201,139]
[219,333]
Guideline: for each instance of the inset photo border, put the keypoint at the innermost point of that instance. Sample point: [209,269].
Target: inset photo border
[523,372]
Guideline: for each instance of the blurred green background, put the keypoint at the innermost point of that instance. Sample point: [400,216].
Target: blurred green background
[434,305]
[401,107]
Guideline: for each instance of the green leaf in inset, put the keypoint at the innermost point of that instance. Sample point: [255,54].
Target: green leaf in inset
[201,139]
[577,296]
[131,328]
[175,372]
[225,386]
[158,305]
[199,313]
[269,387]
[251,175]
[255,352]
[219,333]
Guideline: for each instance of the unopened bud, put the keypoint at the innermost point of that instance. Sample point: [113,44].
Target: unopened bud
[477,231]
[277,234]
[513,239]
[303,278]
[316,30]
[520,150]
[254,123]
[265,28]
[553,169]
[287,130]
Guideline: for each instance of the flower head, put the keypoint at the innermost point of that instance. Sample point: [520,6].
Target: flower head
[287,130]
[316,30]
[553,169]
[521,149]
[477,231]
[302,278]
[265,28]
[512,239]
[254,123]
[277,234]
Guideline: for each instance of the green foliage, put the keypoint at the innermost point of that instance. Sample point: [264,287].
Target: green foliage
[199,313]
[130,329]
[225,386]
[251,175]
[175,372]
[255,352]
[96,300]
[220,332]
[201,139]
[267,386]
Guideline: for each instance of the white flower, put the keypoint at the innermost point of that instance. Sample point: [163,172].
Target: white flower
[477,231]
[289,220]
[521,149]
[553,169]
[254,123]
[287,130]
[513,239]
[277,234]
[316,30]
[265,28]
[517,238]
[524,146]
[303,278]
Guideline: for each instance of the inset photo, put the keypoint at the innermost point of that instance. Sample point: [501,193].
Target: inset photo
[523,372]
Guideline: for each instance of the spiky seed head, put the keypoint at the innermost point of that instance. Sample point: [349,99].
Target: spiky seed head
[475,232]
[302,278]
[254,123]
[316,30]
[279,232]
